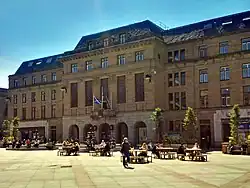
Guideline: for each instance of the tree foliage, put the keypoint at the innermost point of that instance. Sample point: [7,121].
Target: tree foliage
[234,124]
[156,116]
[10,127]
[190,124]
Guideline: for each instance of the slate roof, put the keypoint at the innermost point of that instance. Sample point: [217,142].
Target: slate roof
[212,27]
[41,64]
[3,90]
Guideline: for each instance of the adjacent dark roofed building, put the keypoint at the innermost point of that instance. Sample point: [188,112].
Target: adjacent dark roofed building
[42,64]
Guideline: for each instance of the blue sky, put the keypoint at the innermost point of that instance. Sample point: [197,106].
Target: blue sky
[37,28]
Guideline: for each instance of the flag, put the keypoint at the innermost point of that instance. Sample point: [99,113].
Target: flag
[96,101]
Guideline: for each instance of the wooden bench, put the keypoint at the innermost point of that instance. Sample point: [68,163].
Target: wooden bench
[94,153]
[201,156]
[181,156]
[60,152]
[134,159]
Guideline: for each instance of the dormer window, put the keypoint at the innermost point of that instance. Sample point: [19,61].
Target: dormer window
[49,60]
[16,83]
[122,38]
[38,63]
[30,64]
[91,45]
[105,42]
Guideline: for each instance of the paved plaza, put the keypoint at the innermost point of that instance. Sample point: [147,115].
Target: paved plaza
[44,169]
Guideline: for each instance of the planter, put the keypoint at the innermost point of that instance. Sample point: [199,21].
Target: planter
[224,147]
[248,150]
[1,143]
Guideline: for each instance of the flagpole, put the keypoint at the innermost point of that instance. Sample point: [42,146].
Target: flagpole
[93,101]
[102,98]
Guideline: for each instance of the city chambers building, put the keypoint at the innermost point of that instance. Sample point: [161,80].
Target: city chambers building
[112,81]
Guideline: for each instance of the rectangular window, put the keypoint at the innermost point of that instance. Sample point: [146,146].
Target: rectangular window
[15,99]
[139,87]
[104,88]
[176,79]
[246,95]
[16,83]
[246,70]
[43,78]
[24,113]
[42,96]
[74,95]
[33,97]
[225,97]
[24,81]
[224,73]
[104,62]
[170,57]
[202,51]
[204,98]
[33,113]
[176,55]
[171,126]
[171,101]
[53,76]
[182,54]
[224,47]
[183,78]
[88,65]
[177,100]
[139,56]
[177,126]
[74,67]
[53,94]
[122,38]
[33,80]
[170,80]
[121,89]
[24,98]
[53,111]
[15,112]
[105,42]
[183,101]
[203,76]
[245,44]
[88,93]
[43,115]
[121,59]
[90,46]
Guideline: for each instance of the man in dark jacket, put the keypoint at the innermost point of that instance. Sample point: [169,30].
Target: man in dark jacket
[125,152]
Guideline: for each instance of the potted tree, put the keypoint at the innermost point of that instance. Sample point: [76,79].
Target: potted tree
[190,126]
[156,116]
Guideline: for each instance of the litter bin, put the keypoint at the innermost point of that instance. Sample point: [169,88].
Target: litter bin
[224,147]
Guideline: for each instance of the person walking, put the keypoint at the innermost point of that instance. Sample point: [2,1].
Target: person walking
[125,152]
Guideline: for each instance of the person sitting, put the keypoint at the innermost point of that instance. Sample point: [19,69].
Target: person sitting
[103,144]
[181,150]
[18,144]
[36,143]
[75,149]
[144,152]
[28,144]
[155,151]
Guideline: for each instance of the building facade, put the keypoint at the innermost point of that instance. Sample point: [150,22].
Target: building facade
[3,104]
[113,80]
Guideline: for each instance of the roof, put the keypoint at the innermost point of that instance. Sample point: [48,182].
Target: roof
[136,31]
[212,27]
[3,90]
[41,64]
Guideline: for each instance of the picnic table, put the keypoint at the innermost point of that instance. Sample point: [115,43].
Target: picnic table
[195,154]
[166,152]
[136,155]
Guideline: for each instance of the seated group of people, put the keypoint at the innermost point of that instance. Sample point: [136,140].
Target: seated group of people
[105,148]
[71,146]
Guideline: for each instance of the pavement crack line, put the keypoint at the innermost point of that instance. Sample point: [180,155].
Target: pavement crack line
[238,182]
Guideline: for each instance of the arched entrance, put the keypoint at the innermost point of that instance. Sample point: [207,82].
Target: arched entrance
[87,128]
[140,132]
[121,132]
[74,132]
[105,132]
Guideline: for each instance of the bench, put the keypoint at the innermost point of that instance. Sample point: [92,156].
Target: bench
[237,152]
[168,155]
[134,159]
[180,156]
[201,156]
[94,153]
[60,152]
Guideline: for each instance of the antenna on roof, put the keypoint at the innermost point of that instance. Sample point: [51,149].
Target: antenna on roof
[163,25]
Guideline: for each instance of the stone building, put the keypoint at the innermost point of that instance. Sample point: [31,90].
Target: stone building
[3,106]
[134,69]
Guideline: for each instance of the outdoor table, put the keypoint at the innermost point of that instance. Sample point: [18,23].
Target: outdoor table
[193,151]
[164,151]
[135,152]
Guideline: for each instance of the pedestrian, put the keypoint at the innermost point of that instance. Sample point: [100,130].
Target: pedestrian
[125,152]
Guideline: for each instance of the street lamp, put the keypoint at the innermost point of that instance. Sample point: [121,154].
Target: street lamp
[64,89]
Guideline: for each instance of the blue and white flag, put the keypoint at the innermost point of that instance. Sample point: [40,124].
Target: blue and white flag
[96,101]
